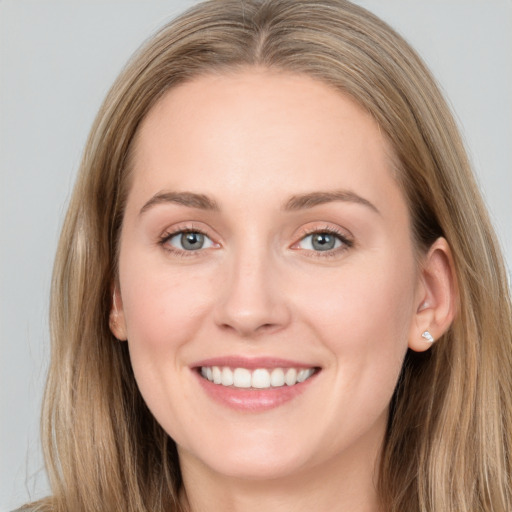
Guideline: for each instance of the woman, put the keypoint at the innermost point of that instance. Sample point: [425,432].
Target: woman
[276,220]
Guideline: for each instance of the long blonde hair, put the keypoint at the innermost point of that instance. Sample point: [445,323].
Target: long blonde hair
[448,443]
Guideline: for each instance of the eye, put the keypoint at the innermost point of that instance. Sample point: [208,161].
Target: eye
[323,241]
[189,241]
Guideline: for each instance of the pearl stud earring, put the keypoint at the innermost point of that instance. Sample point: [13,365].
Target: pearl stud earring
[426,335]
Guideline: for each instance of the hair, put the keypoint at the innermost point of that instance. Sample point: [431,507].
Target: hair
[448,445]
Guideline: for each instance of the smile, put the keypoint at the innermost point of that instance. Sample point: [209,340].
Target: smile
[259,378]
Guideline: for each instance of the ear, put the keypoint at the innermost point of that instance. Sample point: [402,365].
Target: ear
[436,297]
[117,322]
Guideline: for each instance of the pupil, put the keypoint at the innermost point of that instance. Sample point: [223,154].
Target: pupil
[323,241]
[192,241]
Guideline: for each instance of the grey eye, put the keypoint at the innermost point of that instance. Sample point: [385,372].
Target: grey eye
[190,241]
[321,241]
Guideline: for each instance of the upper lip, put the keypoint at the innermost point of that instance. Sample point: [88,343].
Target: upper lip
[252,363]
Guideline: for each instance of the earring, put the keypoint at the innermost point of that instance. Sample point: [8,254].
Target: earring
[426,335]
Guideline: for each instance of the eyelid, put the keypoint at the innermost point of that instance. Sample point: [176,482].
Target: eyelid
[179,235]
[346,239]
[181,228]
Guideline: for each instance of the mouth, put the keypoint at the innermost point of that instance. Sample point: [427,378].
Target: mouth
[258,378]
[254,385]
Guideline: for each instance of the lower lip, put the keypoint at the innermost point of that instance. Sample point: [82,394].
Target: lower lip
[253,400]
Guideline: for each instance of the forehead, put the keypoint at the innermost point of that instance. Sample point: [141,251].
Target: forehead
[254,129]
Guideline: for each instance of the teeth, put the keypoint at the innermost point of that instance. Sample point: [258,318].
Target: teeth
[227,377]
[241,378]
[260,378]
[291,376]
[302,375]
[277,378]
[217,375]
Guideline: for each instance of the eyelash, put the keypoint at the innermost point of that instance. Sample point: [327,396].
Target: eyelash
[168,235]
[346,242]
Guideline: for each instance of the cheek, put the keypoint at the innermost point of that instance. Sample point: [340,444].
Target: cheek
[163,309]
[364,313]
[161,302]
[363,298]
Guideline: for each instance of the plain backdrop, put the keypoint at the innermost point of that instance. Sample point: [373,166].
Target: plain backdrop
[57,61]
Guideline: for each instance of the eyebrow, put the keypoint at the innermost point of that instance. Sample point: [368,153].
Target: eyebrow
[296,202]
[304,201]
[189,199]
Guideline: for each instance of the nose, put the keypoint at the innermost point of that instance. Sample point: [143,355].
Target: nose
[253,300]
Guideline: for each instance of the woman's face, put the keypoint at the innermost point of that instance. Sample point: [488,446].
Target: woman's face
[266,238]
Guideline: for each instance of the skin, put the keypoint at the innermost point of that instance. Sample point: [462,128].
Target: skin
[250,141]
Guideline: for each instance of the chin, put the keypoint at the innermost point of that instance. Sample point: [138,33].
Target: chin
[259,463]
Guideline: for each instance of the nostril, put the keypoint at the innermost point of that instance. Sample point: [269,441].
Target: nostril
[267,327]
[247,330]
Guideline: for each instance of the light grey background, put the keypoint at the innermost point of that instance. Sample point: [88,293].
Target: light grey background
[57,60]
